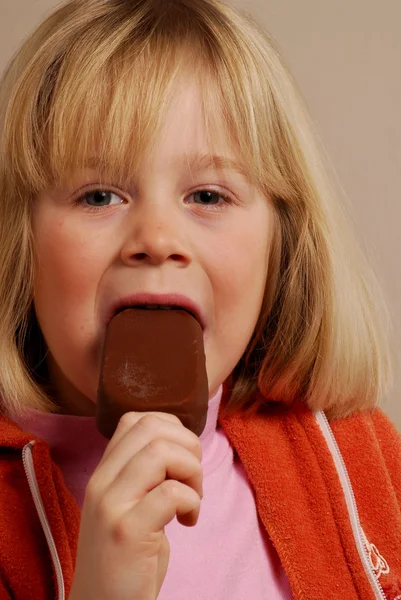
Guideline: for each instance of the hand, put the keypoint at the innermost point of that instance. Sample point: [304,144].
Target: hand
[150,473]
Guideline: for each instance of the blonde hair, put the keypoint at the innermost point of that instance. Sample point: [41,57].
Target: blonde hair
[91,70]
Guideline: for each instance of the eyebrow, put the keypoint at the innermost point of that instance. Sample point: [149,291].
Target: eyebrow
[199,162]
[203,162]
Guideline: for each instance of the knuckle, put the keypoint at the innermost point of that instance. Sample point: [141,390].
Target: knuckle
[169,490]
[158,447]
[120,533]
[174,419]
[149,422]
[128,420]
[196,446]
[198,469]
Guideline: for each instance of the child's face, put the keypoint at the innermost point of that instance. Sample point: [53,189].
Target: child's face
[157,236]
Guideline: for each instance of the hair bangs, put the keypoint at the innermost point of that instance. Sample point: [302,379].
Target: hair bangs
[108,112]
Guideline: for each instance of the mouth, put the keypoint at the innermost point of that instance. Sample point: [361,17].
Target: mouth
[157,307]
[158,302]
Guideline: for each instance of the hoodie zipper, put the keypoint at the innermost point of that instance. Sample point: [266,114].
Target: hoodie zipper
[349,495]
[29,467]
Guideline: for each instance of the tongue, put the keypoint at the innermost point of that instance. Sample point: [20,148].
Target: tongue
[153,360]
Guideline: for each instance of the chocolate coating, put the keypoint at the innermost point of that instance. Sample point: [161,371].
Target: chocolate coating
[153,360]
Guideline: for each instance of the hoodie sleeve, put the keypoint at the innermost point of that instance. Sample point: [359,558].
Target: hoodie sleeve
[5,594]
[389,440]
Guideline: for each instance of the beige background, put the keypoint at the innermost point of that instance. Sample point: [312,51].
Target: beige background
[346,57]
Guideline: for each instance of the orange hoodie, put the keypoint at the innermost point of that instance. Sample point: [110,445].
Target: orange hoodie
[329,496]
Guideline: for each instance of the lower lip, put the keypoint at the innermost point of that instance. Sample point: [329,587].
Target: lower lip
[138,308]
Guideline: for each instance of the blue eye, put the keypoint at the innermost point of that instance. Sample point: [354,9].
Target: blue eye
[100,198]
[206,197]
[211,198]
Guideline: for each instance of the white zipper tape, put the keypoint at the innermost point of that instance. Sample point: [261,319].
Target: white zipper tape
[350,501]
[34,487]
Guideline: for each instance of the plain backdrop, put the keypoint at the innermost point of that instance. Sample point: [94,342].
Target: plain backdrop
[346,58]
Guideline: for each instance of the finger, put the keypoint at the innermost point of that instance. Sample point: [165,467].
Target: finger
[159,460]
[129,419]
[145,429]
[161,505]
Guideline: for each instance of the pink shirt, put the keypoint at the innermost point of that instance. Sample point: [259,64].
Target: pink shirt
[228,554]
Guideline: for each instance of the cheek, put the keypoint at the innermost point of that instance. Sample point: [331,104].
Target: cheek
[241,263]
[67,269]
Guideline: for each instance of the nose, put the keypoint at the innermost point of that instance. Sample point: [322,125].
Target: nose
[155,235]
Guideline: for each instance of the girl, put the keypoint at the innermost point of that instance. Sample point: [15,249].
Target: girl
[157,152]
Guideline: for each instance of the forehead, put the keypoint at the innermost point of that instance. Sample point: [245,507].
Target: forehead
[130,114]
[193,136]
[192,127]
[190,135]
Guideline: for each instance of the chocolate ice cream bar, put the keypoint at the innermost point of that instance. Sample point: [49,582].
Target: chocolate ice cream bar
[153,360]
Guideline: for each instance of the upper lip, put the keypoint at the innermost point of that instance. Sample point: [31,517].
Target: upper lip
[164,299]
